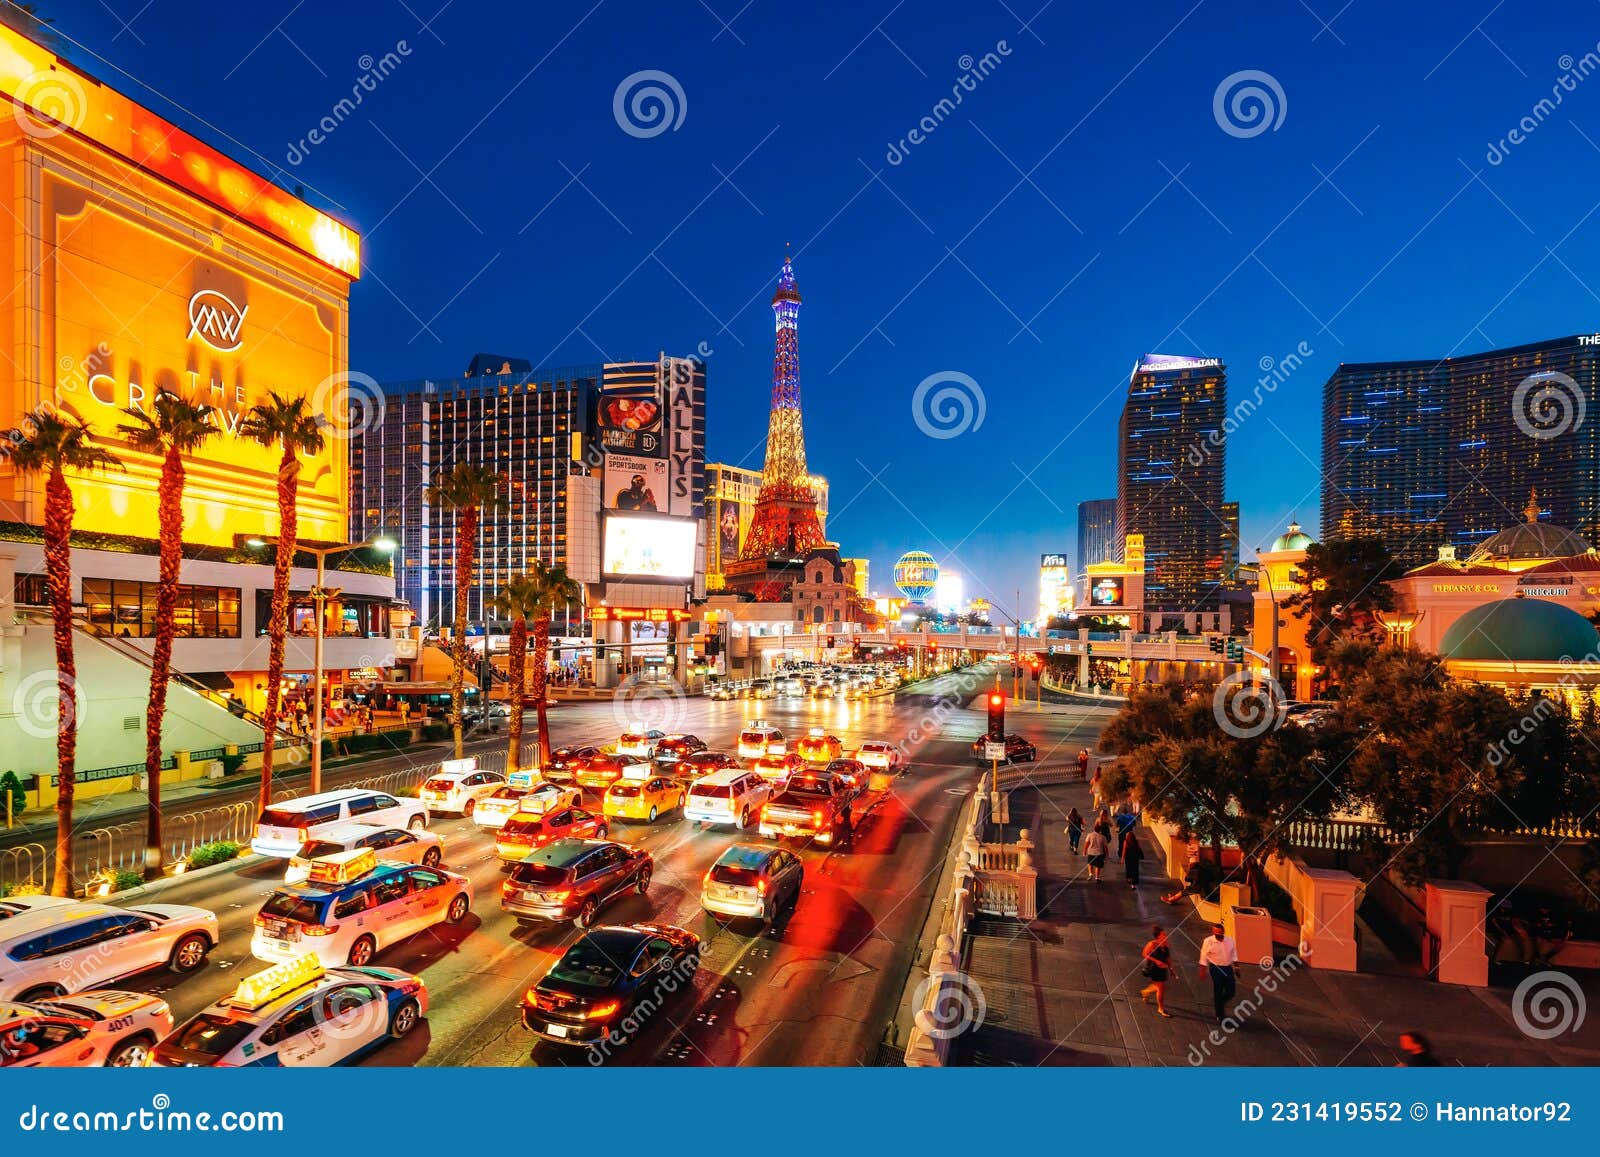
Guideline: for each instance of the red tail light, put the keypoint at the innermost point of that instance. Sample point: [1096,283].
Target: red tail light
[319,929]
[600,1011]
[816,816]
[761,887]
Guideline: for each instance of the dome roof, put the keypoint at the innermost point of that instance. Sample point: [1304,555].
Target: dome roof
[1291,539]
[1519,631]
[1529,540]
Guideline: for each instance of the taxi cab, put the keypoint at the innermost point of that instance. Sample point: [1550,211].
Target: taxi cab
[877,754]
[775,768]
[643,794]
[496,809]
[352,907]
[565,762]
[760,738]
[818,747]
[298,1014]
[100,1027]
[525,832]
[604,770]
[639,742]
[457,787]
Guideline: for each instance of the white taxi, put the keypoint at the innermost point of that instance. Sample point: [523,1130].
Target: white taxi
[60,949]
[103,1027]
[493,811]
[353,907]
[298,1015]
[878,755]
[456,790]
[391,845]
[639,742]
[760,738]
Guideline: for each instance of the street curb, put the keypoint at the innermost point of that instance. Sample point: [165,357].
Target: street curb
[153,887]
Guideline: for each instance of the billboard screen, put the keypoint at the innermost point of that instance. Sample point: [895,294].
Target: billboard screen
[629,420]
[729,537]
[1055,586]
[1106,592]
[635,484]
[638,546]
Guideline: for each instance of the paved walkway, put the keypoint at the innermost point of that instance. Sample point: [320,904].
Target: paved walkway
[1065,989]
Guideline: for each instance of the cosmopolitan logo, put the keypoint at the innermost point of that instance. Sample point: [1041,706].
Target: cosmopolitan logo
[216,320]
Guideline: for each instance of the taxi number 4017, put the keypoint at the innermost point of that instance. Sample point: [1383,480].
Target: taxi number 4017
[119,1024]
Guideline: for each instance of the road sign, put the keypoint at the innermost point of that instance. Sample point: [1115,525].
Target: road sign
[994,752]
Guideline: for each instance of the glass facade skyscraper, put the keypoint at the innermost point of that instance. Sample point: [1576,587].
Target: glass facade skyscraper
[1097,533]
[1424,453]
[1170,465]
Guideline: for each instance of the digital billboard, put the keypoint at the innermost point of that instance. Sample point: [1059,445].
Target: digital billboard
[1055,586]
[728,533]
[638,546]
[635,484]
[1106,592]
[629,420]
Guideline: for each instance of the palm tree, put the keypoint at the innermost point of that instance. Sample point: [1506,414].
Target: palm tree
[556,590]
[468,490]
[171,428]
[56,445]
[288,425]
[519,602]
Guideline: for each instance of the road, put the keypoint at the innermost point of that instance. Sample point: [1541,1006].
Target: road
[818,988]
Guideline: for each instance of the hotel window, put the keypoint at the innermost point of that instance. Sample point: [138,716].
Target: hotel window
[127,608]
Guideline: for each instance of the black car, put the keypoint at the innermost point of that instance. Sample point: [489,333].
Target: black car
[1018,750]
[610,982]
[566,762]
[705,762]
[571,878]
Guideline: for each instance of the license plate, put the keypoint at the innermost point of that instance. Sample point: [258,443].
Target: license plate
[277,943]
[559,1030]
[793,829]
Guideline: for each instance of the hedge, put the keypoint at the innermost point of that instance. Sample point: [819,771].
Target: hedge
[216,852]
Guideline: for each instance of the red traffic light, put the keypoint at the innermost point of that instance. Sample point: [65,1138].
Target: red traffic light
[996,699]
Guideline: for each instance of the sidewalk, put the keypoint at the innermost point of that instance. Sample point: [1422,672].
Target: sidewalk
[1065,989]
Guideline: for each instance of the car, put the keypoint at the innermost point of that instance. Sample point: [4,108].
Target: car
[283,829]
[101,1027]
[18,905]
[298,1014]
[813,805]
[493,716]
[524,832]
[776,768]
[819,747]
[643,797]
[705,762]
[354,907]
[727,797]
[61,949]
[758,739]
[879,755]
[720,692]
[458,792]
[392,845]
[761,689]
[565,762]
[609,981]
[1018,750]
[850,772]
[640,743]
[748,880]
[675,747]
[603,770]
[790,687]
[571,878]
[495,810]
[822,689]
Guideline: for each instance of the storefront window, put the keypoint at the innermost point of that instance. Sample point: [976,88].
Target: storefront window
[127,608]
[348,617]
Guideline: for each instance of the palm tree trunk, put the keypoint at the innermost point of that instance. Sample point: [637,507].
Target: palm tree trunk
[541,664]
[517,669]
[170,516]
[466,556]
[58,516]
[288,528]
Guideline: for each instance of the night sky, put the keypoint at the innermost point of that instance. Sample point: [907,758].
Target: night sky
[1080,206]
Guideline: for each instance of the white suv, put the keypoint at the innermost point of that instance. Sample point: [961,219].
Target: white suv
[727,797]
[60,950]
[285,827]
[458,792]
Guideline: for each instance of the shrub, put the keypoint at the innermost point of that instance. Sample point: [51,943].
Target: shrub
[216,852]
[21,890]
[232,763]
[120,880]
[11,786]
[436,732]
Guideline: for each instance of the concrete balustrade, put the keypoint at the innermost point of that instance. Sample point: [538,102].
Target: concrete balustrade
[1455,914]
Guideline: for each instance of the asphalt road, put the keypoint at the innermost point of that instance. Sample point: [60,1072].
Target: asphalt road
[818,988]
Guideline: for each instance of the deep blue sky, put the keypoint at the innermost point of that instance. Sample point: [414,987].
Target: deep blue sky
[935,265]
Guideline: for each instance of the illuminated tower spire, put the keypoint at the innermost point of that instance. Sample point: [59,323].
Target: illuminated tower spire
[785,519]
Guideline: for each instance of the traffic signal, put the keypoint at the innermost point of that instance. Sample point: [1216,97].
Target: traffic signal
[1235,651]
[997,715]
[1215,642]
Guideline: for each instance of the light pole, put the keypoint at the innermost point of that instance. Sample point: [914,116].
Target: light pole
[319,599]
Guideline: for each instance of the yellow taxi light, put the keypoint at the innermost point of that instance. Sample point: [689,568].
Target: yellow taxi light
[343,867]
[271,983]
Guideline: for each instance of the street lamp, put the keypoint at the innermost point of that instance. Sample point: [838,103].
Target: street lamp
[319,598]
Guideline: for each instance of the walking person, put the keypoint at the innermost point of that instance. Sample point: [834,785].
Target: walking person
[1157,968]
[1132,857]
[1417,1052]
[1095,848]
[1074,830]
[1219,955]
[1102,824]
[1083,763]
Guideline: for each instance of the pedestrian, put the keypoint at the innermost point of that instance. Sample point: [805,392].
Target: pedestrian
[1416,1052]
[1218,957]
[1157,969]
[1095,847]
[1094,789]
[1074,830]
[1083,763]
[1102,824]
[1132,856]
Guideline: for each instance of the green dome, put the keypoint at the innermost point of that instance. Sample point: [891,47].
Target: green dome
[1520,631]
[1292,539]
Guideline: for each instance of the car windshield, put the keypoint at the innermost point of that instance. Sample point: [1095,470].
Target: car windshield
[540,875]
[733,874]
[587,966]
[624,790]
[516,826]
[210,1035]
[282,818]
[809,787]
[711,791]
[287,906]
[752,737]
[875,748]
[311,849]
[508,793]
[633,737]
[440,784]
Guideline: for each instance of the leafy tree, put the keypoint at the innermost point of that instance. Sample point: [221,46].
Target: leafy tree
[285,424]
[11,789]
[468,490]
[171,428]
[1346,583]
[53,446]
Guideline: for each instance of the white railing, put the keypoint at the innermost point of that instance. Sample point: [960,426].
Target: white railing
[1007,881]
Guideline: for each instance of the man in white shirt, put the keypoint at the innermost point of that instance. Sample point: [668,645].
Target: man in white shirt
[1218,955]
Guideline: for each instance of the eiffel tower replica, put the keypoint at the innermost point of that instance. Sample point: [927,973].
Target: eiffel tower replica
[784,528]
